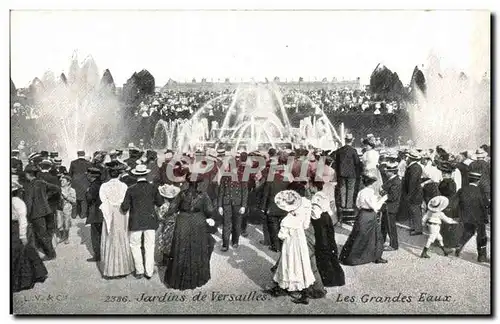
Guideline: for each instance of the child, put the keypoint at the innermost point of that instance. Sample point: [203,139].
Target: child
[68,200]
[391,187]
[433,218]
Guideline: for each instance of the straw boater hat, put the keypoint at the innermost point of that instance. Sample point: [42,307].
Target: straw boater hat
[169,191]
[140,169]
[438,204]
[32,155]
[15,186]
[288,200]
[481,154]
[474,175]
[414,155]
[46,163]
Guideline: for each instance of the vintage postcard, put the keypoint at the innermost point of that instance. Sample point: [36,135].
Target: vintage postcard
[194,162]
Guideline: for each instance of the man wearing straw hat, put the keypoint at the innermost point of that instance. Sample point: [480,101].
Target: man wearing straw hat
[141,199]
[412,193]
[472,208]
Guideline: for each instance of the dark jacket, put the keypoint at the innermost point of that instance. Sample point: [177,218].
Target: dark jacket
[429,191]
[94,213]
[232,192]
[483,168]
[464,172]
[16,165]
[472,205]
[448,188]
[58,170]
[411,189]
[271,188]
[78,173]
[347,164]
[54,200]
[392,188]
[36,196]
[140,200]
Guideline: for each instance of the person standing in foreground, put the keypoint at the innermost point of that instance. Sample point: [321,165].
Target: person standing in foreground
[472,208]
[365,244]
[433,218]
[116,257]
[412,193]
[141,199]
[347,168]
[78,173]
[94,213]
[68,200]
[392,187]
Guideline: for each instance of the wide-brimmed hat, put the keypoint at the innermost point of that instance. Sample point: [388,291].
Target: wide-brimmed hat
[288,200]
[45,163]
[438,204]
[116,165]
[369,141]
[33,155]
[140,169]
[480,154]
[474,175]
[445,166]
[94,171]
[414,155]
[169,191]
[15,185]
[391,166]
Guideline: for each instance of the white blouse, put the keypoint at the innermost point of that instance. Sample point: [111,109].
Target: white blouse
[19,212]
[370,159]
[367,199]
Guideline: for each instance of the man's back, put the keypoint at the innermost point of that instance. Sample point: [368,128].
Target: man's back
[347,162]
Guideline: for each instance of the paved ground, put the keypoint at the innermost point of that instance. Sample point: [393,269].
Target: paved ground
[75,286]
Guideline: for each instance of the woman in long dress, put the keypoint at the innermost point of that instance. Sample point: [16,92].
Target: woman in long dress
[294,272]
[26,268]
[365,243]
[325,249]
[165,232]
[192,243]
[116,256]
[370,163]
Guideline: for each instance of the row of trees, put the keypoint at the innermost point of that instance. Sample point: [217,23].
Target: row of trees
[386,84]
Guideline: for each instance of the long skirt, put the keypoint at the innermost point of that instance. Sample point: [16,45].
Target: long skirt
[317,289]
[326,251]
[192,245]
[26,266]
[116,256]
[364,244]
[164,236]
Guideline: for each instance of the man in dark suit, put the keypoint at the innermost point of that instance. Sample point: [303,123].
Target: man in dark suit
[347,168]
[141,199]
[44,174]
[79,181]
[463,167]
[472,208]
[482,167]
[39,213]
[94,213]
[57,168]
[16,164]
[169,155]
[412,194]
[275,182]
[232,200]
[391,187]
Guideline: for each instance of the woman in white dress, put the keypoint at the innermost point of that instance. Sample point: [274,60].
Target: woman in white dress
[370,162]
[116,256]
[294,273]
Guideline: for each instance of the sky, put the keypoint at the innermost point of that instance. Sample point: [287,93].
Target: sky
[182,45]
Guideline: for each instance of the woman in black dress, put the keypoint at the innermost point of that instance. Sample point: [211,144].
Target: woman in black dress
[27,267]
[326,250]
[365,243]
[447,187]
[192,243]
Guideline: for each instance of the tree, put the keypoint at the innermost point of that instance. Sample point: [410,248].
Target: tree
[418,80]
[276,79]
[145,82]
[194,80]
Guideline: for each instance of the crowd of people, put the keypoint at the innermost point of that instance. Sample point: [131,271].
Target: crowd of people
[171,212]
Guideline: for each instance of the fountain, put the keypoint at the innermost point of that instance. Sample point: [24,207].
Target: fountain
[255,118]
[78,111]
[454,112]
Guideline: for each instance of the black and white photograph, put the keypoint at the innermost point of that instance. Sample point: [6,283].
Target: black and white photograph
[250,162]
